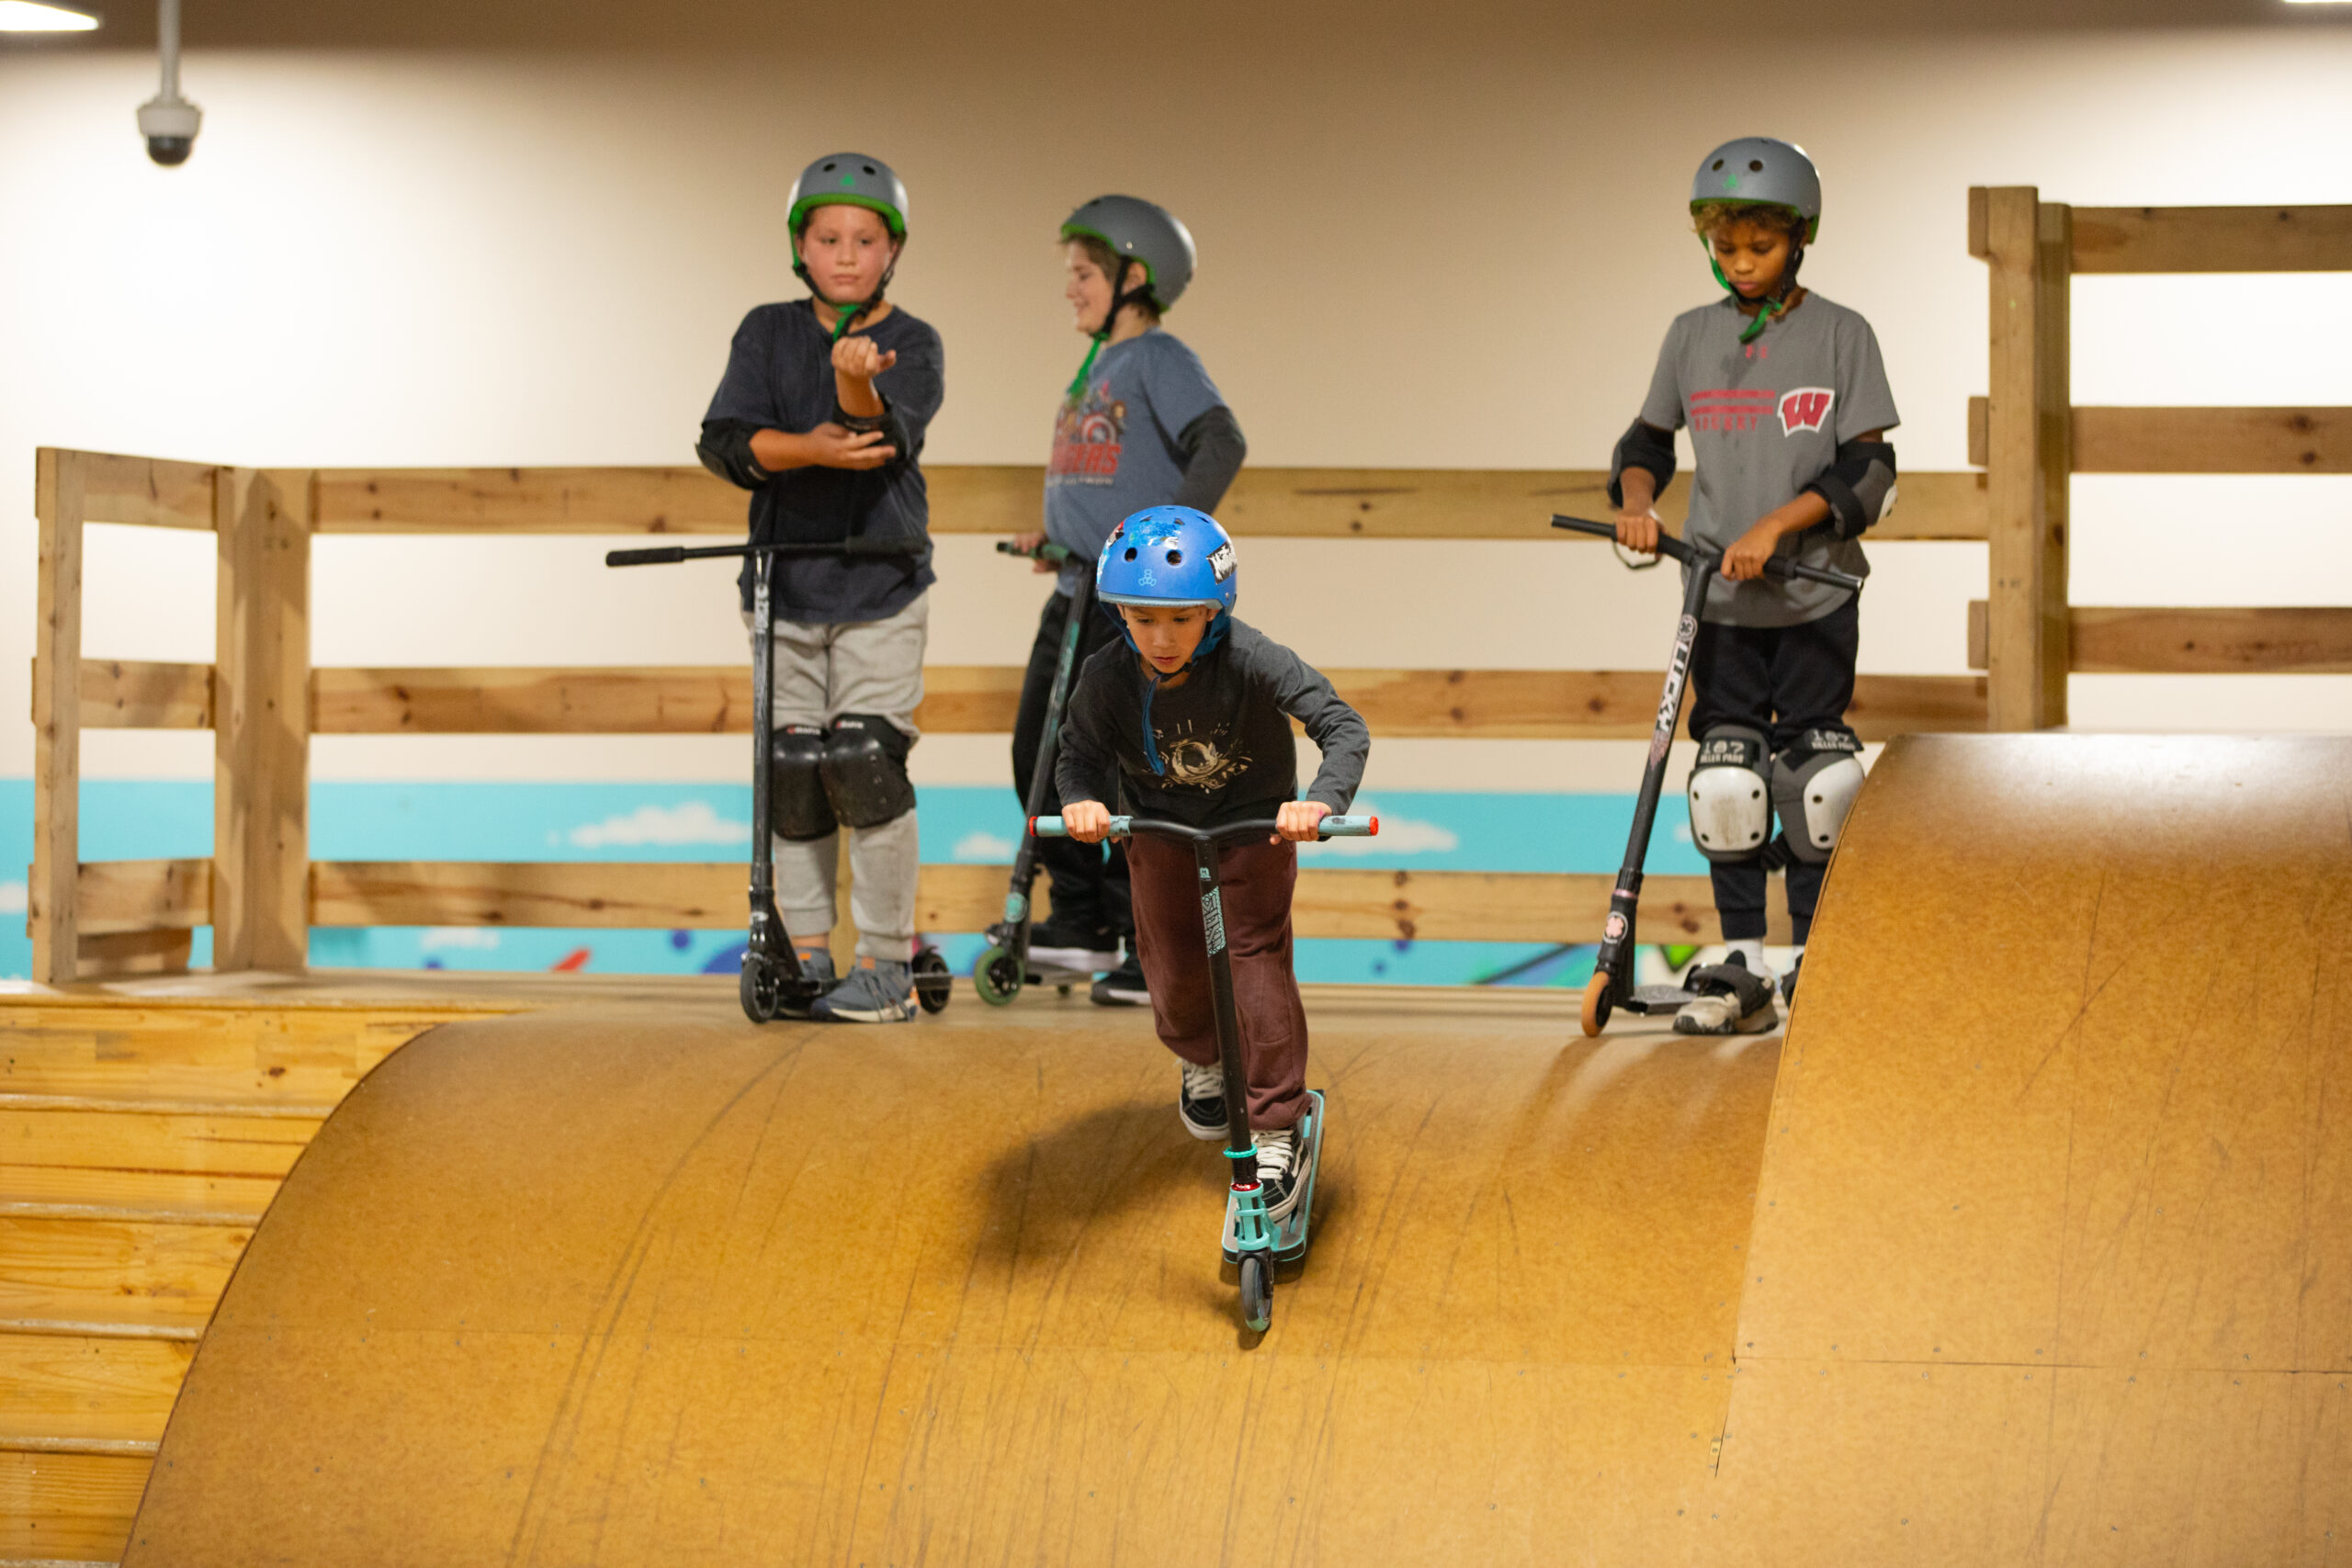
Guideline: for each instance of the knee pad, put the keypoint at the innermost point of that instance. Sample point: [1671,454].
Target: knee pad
[796,805]
[865,770]
[1813,786]
[1730,802]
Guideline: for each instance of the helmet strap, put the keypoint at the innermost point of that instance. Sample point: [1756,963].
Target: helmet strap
[845,316]
[1777,304]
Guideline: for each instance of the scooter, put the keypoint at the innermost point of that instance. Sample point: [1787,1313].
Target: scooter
[772,979]
[1004,966]
[1254,1243]
[1610,987]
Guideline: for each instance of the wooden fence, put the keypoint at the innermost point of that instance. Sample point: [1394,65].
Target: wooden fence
[2031,439]
[261,893]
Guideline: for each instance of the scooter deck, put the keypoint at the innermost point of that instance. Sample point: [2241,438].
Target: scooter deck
[1290,1233]
[1649,999]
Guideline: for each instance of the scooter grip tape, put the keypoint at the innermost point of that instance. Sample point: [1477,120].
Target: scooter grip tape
[1349,826]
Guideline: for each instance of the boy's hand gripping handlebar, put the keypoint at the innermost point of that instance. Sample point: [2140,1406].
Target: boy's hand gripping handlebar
[670,555]
[1127,827]
[1683,550]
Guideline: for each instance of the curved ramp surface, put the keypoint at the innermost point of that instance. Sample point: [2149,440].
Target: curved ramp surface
[2040,1251]
[660,1289]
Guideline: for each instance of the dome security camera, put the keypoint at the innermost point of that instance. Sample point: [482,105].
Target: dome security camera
[168,121]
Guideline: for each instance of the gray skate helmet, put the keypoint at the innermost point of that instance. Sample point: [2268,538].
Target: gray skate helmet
[848,179]
[1757,171]
[1143,231]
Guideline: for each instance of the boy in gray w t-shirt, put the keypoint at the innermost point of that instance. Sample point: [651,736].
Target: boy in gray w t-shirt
[1787,404]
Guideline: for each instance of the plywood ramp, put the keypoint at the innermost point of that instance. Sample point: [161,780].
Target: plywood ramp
[2039,1250]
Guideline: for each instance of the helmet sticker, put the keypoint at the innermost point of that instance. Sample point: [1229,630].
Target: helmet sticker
[1221,562]
[1804,409]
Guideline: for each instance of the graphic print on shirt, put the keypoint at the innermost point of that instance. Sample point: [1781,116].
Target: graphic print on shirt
[1804,409]
[1088,434]
[1196,759]
[1733,409]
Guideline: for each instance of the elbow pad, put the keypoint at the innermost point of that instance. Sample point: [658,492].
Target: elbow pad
[1644,447]
[1859,485]
[726,450]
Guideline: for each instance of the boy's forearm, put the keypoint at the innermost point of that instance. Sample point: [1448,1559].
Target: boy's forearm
[776,451]
[1797,516]
[1640,489]
[857,396]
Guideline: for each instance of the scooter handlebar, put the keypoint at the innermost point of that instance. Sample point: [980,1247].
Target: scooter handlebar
[670,555]
[1683,550]
[1048,551]
[1333,827]
[665,556]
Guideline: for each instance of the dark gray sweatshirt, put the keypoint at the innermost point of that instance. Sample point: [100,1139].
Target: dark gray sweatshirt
[1221,748]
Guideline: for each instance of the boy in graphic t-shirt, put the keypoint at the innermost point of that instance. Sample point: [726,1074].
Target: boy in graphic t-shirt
[1141,426]
[1787,404]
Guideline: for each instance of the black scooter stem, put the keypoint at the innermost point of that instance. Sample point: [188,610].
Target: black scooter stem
[1683,550]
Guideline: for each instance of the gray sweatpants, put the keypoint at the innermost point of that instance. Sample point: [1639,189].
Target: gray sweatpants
[822,671]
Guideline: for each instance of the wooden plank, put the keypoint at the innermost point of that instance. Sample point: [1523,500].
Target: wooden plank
[1003,499]
[129,693]
[191,1144]
[2212,239]
[128,1274]
[59,1508]
[2146,640]
[144,894]
[90,1385]
[2212,441]
[2027,461]
[78,1192]
[260,756]
[154,492]
[58,502]
[112,955]
[981,699]
[275,1056]
[1980,433]
[1438,905]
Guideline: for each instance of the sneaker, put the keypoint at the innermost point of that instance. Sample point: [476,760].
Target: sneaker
[1200,1103]
[1728,998]
[816,964]
[1056,943]
[1279,1172]
[1789,981]
[1123,986]
[877,991]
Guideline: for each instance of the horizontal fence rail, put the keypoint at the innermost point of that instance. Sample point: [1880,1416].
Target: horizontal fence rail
[2198,441]
[2129,640]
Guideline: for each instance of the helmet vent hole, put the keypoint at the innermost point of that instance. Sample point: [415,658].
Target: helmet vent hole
[1175,558]
[1131,552]
[1718,164]
[831,167]
[869,168]
[1754,167]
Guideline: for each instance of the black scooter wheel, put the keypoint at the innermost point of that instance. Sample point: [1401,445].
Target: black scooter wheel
[1597,1003]
[761,993]
[997,976]
[1257,1294]
[934,983]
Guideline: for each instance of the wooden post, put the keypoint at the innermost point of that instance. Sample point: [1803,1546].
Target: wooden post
[261,850]
[2028,245]
[57,718]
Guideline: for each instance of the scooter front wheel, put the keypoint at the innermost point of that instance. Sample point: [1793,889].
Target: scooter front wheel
[997,976]
[1256,1293]
[761,989]
[1597,1003]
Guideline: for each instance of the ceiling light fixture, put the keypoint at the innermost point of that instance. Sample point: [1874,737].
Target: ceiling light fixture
[45,16]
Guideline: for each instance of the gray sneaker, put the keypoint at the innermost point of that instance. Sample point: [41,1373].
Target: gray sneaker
[877,991]
[816,966]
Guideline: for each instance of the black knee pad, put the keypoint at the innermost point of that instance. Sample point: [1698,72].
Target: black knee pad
[865,770]
[797,806]
[1731,810]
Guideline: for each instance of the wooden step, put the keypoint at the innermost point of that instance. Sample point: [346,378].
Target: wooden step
[90,1386]
[114,1275]
[58,1509]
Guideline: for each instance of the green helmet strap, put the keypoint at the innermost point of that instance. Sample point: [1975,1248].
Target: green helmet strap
[1777,305]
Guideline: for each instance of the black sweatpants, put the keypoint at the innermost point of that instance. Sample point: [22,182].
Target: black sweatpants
[1089,881]
[1781,680]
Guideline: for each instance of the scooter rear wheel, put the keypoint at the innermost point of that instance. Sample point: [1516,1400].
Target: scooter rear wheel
[997,976]
[934,983]
[1597,1003]
[1257,1294]
[760,989]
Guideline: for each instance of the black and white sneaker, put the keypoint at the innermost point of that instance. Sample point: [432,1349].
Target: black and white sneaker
[1124,987]
[1728,998]
[1056,943]
[1281,1171]
[1201,1101]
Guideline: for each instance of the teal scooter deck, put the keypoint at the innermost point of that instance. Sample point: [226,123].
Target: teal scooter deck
[1291,1235]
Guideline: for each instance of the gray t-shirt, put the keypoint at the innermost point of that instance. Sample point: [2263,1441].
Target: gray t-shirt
[1116,447]
[1766,419]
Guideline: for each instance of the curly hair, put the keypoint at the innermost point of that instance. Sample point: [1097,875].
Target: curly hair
[1107,262]
[1708,217]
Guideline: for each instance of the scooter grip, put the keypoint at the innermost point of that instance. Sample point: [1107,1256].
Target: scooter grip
[666,555]
[1349,827]
[1052,827]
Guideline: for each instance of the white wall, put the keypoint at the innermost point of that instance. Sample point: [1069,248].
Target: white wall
[1456,258]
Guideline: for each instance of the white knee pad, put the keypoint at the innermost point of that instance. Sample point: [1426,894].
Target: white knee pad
[1731,809]
[1813,786]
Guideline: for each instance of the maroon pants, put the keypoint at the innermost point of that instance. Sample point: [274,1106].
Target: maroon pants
[1258,878]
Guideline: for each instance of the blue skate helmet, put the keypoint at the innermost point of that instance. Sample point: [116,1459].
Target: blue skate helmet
[1168,555]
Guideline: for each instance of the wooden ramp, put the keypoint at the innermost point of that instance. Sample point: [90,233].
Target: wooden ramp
[2040,1251]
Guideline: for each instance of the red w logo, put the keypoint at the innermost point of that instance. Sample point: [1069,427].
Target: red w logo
[1804,409]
